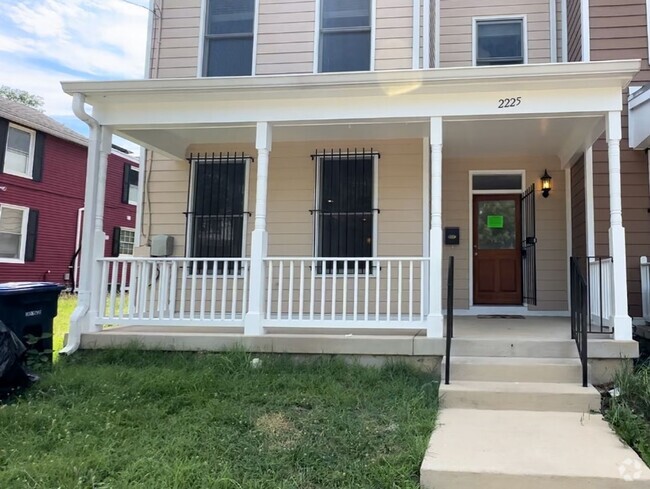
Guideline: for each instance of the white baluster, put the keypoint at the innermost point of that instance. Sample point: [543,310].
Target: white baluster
[389,285]
[335,265]
[399,290]
[367,291]
[204,278]
[224,290]
[322,291]
[235,287]
[377,291]
[290,309]
[356,290]
[302,290]
[411,290]
[344,315]
[173,284]
[101,307]
[111,307]
[195,265]
[313,290]
[269,290]
[152,291]
[213,290]
[123,274]
[280,288]
[183,290]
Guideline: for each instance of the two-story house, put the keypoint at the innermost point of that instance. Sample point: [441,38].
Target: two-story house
[42,178]
[312,167]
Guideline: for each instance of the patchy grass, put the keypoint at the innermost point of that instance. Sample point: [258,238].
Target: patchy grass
[67,303]
[132,419]
[629,413]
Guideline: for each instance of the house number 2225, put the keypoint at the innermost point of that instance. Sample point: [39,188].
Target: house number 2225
[506,103]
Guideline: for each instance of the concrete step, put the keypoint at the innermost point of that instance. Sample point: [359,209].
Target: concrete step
[524,396]
[536,450]
[515,369]
[471,347]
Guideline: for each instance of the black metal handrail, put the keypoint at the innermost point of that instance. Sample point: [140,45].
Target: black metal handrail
[580,315]
[450,318]
[596,291]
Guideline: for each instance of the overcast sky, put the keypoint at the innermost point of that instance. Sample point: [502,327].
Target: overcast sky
[43,42]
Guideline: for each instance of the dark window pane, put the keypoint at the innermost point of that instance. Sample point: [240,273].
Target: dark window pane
[231,16]
[345,51]
[230,56]
[496,182]
[218,216]
[500,42]
[346,13]
[346,197]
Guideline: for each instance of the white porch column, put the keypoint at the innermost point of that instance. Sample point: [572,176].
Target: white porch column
[620,319]
[259,242]
[434,319]
[99,237]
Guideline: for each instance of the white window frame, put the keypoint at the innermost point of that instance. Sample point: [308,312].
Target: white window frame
[137,197]
[524,40]
[30,160]
[317,36]
[190,222]
[131,230]
[375,205]
[202,61]
[23,233]
[472,193]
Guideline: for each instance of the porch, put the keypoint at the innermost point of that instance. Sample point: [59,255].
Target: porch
[434,130]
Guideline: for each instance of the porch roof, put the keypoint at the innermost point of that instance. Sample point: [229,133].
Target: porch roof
[168,115]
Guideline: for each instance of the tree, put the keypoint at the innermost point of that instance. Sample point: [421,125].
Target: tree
[22,96]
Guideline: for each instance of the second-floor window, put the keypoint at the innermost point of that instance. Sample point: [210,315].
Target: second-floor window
[130,185]
[19,153]
[345,35]
[499,42]
[229,38]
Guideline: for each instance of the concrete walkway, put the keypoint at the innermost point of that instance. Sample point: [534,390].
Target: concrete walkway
[474,448]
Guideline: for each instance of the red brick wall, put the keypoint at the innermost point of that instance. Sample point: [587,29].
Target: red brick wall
[57,198]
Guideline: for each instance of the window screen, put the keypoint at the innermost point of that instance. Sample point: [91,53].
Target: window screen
[499,42]
[127,240]
[229,38]
[345,35]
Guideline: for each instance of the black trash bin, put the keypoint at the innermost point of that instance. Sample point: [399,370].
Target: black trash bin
[29,309]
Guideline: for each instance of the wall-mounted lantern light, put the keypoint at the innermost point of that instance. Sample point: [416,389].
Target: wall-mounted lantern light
[546,184]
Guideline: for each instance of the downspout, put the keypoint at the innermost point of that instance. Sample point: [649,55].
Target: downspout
[80,314]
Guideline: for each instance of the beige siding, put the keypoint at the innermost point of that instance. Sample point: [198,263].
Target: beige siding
[291,195]
[400,227]
[285,42]
[175,40]
[394,34]
[456,27]
[574,30]
[550,221]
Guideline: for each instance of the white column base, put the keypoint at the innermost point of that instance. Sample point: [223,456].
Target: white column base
[620,319]
[435,326]
[253,319]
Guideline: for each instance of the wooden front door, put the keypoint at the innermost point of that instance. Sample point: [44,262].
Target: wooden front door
[497,250]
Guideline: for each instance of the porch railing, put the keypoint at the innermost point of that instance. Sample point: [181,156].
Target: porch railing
[343,292]
[600,276]
[645,288]
[580,315]
[173,291]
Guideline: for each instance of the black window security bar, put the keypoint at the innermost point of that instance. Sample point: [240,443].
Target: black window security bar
[216,209]
[344,212]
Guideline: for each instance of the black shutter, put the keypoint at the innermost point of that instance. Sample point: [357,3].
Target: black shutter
[4,130]
[32,234]
[39,151]
[115,246]
[125,184]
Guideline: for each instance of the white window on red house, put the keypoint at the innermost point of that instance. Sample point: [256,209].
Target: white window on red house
[18,230]
[21,151]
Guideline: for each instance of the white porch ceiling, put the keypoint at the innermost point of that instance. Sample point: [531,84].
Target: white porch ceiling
[545,136]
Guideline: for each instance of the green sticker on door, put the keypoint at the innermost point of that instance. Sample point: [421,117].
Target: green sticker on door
[495,222]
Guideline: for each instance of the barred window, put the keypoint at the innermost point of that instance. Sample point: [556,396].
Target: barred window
[345,204]
[218,215]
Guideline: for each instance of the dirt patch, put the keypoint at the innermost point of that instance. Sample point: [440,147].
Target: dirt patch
[280,432]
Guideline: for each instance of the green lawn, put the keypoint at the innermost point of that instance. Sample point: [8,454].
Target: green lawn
[132,419]
[629,413]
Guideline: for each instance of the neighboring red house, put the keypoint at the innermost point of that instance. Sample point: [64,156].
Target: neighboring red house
[42,178]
